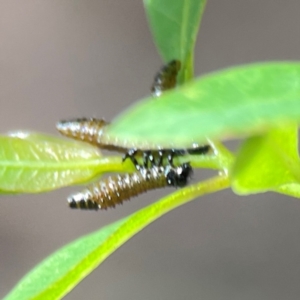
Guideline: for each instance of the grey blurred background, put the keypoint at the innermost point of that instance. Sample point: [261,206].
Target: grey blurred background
[61,59]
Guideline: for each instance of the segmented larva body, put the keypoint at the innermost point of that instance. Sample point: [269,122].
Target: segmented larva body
[91,131]
[116,189]
[87,130]
[165,79]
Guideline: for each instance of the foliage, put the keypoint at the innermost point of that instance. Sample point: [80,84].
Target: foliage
[258,102]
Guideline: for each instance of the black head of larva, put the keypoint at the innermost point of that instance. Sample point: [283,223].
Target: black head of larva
[178,177]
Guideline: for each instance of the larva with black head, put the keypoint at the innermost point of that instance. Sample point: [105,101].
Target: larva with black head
[166,78]
[116,189]
[91,131]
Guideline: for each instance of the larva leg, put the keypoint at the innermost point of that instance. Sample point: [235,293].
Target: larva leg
[131,153]
[199,150]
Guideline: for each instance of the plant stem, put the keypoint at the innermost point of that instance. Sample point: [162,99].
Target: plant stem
[180,197]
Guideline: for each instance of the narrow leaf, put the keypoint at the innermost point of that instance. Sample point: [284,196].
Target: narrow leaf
[59,273]
[32,162]
[291,189]
[228,104]
[174,25]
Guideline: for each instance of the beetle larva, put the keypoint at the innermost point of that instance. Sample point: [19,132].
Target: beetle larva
[116,189]
[165,79]
[86,130]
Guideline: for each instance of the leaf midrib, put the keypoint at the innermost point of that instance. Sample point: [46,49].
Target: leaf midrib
[49,165]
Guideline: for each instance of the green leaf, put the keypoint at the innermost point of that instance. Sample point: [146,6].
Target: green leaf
[31,162]
[227,104]
[291,189]
[59,273]
[267,162]
[63,267]
[174,25]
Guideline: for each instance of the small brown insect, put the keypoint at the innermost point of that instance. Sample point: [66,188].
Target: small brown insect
[116,189]
[165,79]
[86,130]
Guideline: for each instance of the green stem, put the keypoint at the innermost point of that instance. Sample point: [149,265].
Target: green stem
[180,197]
[224,157]
[187,72]
[132,224]
[189,68]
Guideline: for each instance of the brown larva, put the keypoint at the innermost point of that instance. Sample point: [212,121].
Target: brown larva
[86,130]
[116,189]
[165,79]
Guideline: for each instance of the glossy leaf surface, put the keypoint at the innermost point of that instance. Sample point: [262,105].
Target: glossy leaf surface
[227,104]
[32,163]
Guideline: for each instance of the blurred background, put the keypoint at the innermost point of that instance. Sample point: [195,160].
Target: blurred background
[66,59]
